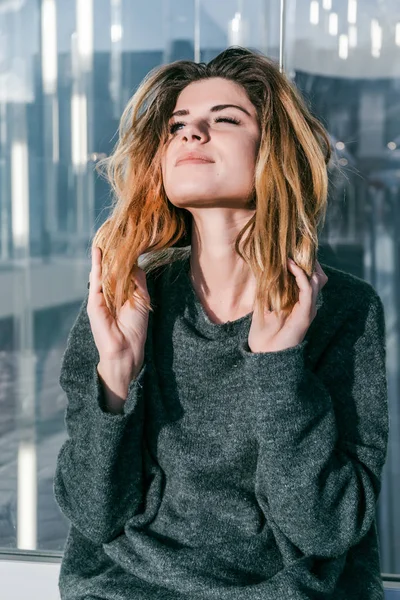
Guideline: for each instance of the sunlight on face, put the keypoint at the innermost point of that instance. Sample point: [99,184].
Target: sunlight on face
[226,138]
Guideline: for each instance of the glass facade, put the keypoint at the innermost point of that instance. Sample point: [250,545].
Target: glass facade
[67,69]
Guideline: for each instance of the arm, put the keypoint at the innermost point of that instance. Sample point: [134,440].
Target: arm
[98,479]
[323,435]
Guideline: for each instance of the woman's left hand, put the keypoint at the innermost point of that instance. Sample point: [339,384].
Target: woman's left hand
[278,333]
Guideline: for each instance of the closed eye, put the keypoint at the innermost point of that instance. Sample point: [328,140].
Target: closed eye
[173,127]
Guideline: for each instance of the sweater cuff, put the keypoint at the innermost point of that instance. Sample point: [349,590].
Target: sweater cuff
[282,368]
[97,398]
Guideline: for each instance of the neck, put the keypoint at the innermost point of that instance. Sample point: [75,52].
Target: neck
[221,278]
[224,283]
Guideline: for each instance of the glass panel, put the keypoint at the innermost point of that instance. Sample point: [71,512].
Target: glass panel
[67,69]
[344,57]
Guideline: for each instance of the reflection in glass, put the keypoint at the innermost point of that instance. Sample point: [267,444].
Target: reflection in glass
[27,496]
[351,84]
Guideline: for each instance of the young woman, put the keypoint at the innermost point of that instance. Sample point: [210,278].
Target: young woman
[227,404]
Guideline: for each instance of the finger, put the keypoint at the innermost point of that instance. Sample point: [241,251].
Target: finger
[322,275]
[316,286]
[301,278]
[319,279]
[306,289]
[95,273]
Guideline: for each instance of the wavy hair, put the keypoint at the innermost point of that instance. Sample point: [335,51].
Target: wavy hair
[290,182]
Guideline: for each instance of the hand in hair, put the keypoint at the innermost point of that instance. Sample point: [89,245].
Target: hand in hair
[277,333]
[121,341]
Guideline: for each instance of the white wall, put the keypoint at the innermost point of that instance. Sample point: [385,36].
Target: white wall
[34,580]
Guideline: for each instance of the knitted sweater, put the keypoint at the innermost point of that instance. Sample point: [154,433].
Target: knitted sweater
[230,475]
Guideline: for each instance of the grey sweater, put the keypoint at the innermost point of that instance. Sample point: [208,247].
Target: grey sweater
[229,475]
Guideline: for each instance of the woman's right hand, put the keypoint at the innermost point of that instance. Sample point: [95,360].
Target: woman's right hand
[122,340]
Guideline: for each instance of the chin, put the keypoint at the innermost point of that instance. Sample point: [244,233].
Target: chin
[193,199]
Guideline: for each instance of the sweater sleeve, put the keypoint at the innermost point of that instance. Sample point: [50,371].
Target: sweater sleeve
[98,478]
[323,433]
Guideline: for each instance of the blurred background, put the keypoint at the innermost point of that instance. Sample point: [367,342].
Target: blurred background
[67,69]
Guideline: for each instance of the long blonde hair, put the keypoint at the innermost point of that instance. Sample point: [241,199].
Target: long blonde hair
[290,182]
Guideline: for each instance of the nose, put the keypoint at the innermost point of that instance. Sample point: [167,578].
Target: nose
[194,131]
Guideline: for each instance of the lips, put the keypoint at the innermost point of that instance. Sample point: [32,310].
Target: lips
[194,157]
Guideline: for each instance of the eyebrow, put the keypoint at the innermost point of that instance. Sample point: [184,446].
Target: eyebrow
[215,108]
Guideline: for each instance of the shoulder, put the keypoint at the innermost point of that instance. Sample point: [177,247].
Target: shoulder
[348,289]
[351,308]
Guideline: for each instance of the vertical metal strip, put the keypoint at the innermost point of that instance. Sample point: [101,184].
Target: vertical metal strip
[197,31]
[282,32]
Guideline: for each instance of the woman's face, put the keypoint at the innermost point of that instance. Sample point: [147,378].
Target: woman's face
[227,136]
